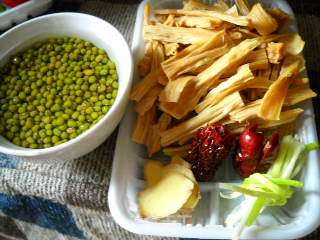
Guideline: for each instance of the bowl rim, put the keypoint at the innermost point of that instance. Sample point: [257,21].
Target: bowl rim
[29,152]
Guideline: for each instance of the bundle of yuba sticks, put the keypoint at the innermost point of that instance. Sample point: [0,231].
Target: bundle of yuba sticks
[206,64]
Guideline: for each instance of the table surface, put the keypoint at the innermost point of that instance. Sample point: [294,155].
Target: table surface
[78,189]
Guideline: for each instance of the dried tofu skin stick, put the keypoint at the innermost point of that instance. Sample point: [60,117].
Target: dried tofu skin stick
[272,102]
[247,32]
[275,71]
[237,20]
[176,34]
[243,6]
[258,60]
[257,55]
[259,65]
[262,21]
[259,83]
[202,64]
[212,114]
[153,137]
[280,16]
[297,95]
[174,65]
[223,114]
[164,121]
[293,43]
[233,11]
[181,151]
[142,87]
[153,140]
[144,65]
[174,89]
[198,22]
[171,49]
[233,84]
[162,79]
[231,59]
[222,5]
[185,52]
[285,118]
[275,52]
[151,80]
[158,56]
[265,73]
[170,21]
[188,100]
[181,66]
[300,81]
[146,14]
[199,5]
[247,112]
[148,100]
[143,123]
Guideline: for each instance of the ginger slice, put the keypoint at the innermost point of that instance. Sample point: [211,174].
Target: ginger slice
[152,172]
[243,6]
[230,60]
[275,52]
[233,84]
[148,100]
[210,115]
[176,34]
[271,106]
[166,197]
[262,21]
[181,151]
[237,20]
[142,125]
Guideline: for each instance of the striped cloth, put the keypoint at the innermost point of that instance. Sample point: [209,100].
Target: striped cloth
[69,200]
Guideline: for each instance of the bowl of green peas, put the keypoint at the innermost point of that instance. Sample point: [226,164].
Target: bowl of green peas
[64,85]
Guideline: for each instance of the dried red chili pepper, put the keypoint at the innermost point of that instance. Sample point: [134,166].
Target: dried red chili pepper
[254,155]
[210,147]
[269,152]
[249,152]
[13,3]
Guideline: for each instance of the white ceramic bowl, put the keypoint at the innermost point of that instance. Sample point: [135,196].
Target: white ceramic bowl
[101,34]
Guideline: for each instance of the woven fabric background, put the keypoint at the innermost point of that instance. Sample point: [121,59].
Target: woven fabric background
[77,190]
